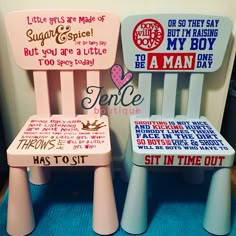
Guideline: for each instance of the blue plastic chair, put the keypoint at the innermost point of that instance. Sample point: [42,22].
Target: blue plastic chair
[171,44]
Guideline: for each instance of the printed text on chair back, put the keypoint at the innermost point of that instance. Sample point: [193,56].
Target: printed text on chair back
[63,39]
[175,42]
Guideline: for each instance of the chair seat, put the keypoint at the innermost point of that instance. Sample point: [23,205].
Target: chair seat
[62,141]
[178,142]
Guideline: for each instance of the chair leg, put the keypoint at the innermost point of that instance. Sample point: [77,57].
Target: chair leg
[217,219]
[20,217]
[134,218]
[105,219]
[39,175]
[194,175]
[127,162]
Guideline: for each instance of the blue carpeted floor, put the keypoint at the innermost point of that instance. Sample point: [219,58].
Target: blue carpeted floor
[64,206]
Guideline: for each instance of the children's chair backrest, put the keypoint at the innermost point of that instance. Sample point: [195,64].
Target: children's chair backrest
[174,43]
[64,40]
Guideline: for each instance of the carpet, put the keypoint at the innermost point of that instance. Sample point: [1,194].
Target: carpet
[64,206]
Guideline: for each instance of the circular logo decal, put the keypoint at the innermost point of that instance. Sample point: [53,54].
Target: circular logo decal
[148,34]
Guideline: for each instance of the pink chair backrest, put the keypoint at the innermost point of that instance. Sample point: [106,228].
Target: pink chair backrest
[64,40]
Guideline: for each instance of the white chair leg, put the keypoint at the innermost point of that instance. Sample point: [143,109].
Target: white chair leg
[127,162]
[20,216]
[134,218]
[105,219]
[217,219]
[39,175]
[194,175]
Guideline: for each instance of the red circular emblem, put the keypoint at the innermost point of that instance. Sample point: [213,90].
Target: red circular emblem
[148,34]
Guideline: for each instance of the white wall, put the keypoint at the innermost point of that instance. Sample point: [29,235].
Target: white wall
[17,99]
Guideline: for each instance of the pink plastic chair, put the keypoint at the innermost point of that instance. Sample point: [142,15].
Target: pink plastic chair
[175,43]
[64,40]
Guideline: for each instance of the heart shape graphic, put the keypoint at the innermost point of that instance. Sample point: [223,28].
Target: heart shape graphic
[118,77]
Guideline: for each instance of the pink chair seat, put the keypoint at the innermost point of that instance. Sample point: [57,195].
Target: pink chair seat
[62,141]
